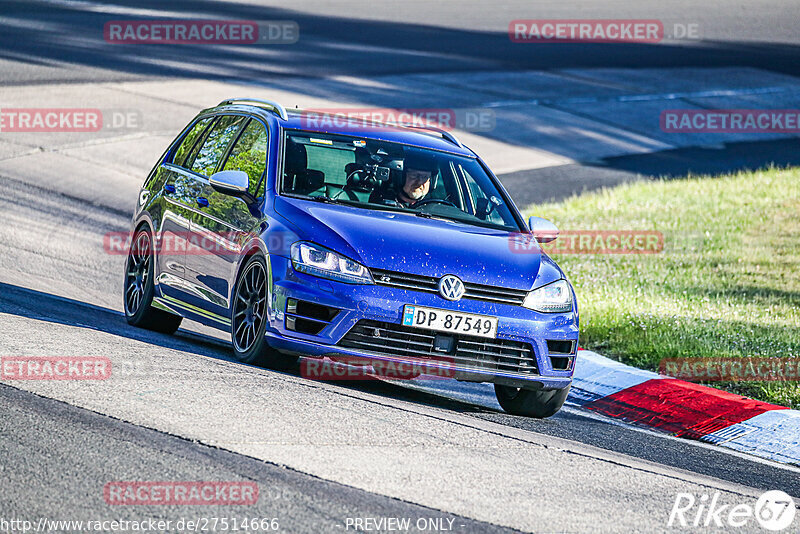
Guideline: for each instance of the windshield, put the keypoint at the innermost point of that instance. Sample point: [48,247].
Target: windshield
[373,174]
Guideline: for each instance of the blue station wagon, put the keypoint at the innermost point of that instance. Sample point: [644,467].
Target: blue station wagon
[355,242]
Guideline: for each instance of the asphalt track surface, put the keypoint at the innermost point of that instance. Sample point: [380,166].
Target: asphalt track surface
[182,409]
[59,297]
[357,38]
[60,41]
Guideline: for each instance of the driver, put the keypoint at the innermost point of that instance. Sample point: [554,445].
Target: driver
[418,170]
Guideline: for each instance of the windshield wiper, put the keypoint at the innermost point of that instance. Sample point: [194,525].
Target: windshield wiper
[324,198]
[467,222]
[426,215]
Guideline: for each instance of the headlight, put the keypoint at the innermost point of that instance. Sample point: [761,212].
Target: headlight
[552,298]
[319,261]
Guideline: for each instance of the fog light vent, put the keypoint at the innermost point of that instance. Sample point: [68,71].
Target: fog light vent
[307,317]
[311,310]
[304,326]
[561,363]
[555,346]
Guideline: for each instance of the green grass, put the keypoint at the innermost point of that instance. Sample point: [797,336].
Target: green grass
[727,283]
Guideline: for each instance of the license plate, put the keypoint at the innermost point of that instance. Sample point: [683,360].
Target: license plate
[449,321]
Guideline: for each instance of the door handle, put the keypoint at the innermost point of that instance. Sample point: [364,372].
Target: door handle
[202,202]
[169,188]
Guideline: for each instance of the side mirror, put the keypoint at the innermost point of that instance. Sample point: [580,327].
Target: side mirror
[482,208]
[485,206]
[543,230]
[234,183]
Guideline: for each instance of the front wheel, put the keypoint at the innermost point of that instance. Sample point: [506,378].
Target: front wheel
[530,403]
[139,289]
[249,319]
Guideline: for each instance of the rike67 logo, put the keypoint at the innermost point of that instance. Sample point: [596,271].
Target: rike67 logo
[773,511]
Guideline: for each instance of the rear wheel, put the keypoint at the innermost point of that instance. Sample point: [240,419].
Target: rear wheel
[530,403]
[248,319]
[139,289]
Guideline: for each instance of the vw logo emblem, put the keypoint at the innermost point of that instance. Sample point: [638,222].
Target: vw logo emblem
[451,287]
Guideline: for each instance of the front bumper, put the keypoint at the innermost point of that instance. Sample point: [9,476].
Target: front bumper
[385,304]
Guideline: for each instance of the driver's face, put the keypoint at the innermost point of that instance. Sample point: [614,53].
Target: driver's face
[418,183]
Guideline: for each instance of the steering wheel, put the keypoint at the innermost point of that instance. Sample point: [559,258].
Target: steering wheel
[433,201]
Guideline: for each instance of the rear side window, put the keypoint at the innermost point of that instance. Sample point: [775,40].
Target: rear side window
[189,140]
[217,140]
[332,163]
[249,154]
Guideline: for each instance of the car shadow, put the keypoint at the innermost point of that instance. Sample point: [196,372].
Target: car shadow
[23,302]
[568,424]
[41,306]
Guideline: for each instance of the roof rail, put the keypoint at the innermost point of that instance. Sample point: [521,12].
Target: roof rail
[272,106]
[444,133]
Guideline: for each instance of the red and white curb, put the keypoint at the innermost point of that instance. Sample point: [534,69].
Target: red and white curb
[685,409]
[660,403]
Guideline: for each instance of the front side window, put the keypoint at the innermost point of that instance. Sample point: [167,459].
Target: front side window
[484,204]
[217,140]
[249,154]
[373,174]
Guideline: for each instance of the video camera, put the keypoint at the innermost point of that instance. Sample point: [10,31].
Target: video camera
[370,175]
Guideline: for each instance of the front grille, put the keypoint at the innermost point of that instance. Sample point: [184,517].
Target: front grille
[473,352]
[429,284]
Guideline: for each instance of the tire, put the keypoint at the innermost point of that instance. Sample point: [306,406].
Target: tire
[248,319]
[530,403]
[138,289]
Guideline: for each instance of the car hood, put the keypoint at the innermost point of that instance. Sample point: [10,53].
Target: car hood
[429,247]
